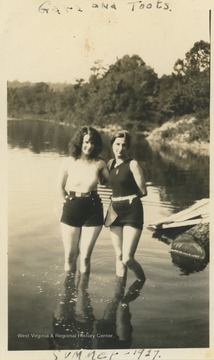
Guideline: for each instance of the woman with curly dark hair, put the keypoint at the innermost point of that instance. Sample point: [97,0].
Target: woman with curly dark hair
[82,213]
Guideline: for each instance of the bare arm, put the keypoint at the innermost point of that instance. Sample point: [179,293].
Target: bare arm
[60,187]
[61,180]
[137,172]
[103,173]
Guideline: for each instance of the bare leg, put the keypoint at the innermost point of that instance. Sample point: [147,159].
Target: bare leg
[88,238]
[70,238]
[117,240]
[131,237]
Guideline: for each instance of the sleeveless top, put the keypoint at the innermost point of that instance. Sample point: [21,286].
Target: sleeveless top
[122,180]
[82,177]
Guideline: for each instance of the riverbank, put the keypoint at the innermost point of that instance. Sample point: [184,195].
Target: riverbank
[178,135]
[185,135]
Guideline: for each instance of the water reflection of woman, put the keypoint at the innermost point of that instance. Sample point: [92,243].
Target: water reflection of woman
[73,317]
[114,330]
[82,215]
[128,186]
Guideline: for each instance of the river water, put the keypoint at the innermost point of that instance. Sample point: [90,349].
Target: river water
[172,309]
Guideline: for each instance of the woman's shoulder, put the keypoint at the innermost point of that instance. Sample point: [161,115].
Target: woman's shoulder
[110,164]
[133,163]
[68,161]
[100,163]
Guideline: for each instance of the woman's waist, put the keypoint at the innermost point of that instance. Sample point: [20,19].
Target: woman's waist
[81,192]
[125,197]
[120,189]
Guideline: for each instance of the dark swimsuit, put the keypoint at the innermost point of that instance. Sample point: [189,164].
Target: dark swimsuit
[130,212]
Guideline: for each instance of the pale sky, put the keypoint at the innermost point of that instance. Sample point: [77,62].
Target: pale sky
[62,47]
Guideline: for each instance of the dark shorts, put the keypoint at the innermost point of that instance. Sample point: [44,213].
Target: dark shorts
[129,214]
[82,211]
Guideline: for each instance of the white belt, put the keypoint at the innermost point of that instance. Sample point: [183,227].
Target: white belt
[122,198]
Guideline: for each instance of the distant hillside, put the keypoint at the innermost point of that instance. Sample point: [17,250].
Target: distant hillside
[186,133]
[128,94]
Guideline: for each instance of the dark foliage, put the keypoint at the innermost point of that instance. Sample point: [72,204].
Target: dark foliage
[128,93]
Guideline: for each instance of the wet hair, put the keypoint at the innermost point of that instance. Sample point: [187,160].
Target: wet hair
[75,145]
[122,134]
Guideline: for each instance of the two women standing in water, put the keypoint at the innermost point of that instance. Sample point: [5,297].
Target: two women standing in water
[81,222]
[82,216]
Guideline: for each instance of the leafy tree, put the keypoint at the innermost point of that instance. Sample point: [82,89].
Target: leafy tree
[186,91]
[196,60]
[194,74]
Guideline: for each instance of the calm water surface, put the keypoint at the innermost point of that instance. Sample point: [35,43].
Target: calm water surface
[172,309]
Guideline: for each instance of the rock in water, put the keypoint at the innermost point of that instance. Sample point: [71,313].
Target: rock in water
[192,246]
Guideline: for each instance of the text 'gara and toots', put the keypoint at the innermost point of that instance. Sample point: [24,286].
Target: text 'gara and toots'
[48,7]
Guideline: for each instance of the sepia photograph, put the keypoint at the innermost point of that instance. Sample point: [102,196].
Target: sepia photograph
[105,185]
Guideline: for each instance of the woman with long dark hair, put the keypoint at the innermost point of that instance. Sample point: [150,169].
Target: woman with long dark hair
[82,214]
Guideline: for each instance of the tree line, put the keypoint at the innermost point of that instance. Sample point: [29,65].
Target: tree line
[128,93]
